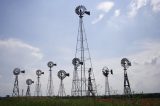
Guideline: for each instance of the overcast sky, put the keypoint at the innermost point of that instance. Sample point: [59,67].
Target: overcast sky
[33,32]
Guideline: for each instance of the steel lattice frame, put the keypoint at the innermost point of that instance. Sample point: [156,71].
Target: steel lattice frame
[16,87]
[28,93]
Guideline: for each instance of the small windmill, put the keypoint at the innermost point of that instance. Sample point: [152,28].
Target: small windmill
[126,64]
[29,82]
[50,91]
[62,74]
[38,84]
[16,72]
[106,72]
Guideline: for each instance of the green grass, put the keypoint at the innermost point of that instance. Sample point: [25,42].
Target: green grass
[46,101]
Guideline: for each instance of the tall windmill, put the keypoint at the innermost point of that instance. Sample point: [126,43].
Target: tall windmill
[62,74]
[16,72]
[28,82]
[50,91]
[105,72]
[82,61]
[126,64]
[38,83]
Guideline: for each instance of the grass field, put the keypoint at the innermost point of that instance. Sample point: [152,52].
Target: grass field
[46,101]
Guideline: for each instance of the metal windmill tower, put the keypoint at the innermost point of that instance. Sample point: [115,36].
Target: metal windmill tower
[38,84]
[90,85]
[16,72]
[105,72]
[126,63]
[62,74]
[82,61]
[76,81]
[28,82]
[50,91]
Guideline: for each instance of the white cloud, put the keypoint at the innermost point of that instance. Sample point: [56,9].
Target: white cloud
[117,13]
[99,18]
[151,50]
[146,67]
[117,23]
[16,53]
[135,5]
[155,5]
[17,47]
[105,6]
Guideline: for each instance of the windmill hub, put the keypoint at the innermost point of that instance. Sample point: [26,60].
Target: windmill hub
[16,71]
[29,81]
[106,71]
[76,62]
[125,63]
[62,74]
[81,10]
[51,64]
[39,72]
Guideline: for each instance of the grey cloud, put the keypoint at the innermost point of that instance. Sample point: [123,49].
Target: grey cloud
[153,61]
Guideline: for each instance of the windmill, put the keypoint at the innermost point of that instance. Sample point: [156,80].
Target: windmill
[16,72]
[29,82]
[106,72]
[62,74]
[76,81]
[126,64]
[82,61]
[38,84]
[50,91]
